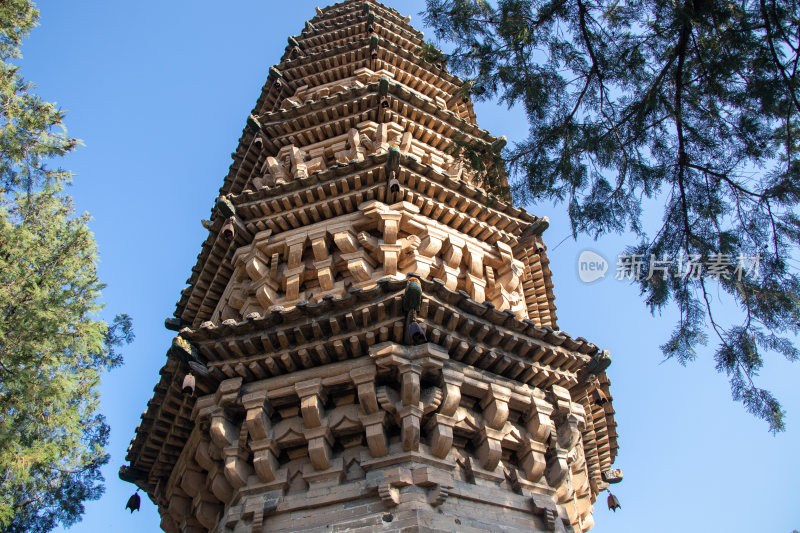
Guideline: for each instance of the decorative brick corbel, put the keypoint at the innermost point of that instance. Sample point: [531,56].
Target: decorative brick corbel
[301,164]
[227,393]
[440,426]
[220,487]
[265,449]
[359,263]
[453,253]
[265,459]
[388,483]
[389,225]
[179,507]
[192,481]
[411,362]
[495,414]
[267,293]
[489,448]
[475,278]
[540,427]
[389,495]
[513,480]
[207,512]
[390,254]
[411,411]
[495,406]
[508,275]
[320,441]
[316,432]
[294,266]
[364,380]
[372,418]
[323,262]
[256,265]
[568,417]
[557,468]
[466,466]
[256,508]
[375,429]
[437,483]
[554,519]
[227,435]
[547,510]
[276,170]
[312,398]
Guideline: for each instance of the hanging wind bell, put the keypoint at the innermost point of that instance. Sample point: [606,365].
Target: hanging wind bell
[228,230]
[613,502]
[598,398]
[188,384]
[416,333]
[133,502]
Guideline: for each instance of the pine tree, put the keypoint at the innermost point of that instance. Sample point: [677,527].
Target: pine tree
[690,103]
[53,348]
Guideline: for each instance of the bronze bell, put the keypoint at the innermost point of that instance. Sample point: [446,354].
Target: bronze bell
[228,230]
[598,398]
[416,333]
[278,84]
[613,503]
[133,502]
[394,186]
[188,384]
[370,29]
[258,142]
[384,102]
[374,54]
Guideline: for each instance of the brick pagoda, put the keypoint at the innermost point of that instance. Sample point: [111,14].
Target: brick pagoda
[368,340]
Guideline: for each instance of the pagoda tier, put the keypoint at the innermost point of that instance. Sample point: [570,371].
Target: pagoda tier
[312,385]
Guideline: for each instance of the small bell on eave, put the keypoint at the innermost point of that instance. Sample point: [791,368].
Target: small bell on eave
[394,186]
[133,502]
[598,398]
[188,384]
[228,230]
[613,502]
[416,333]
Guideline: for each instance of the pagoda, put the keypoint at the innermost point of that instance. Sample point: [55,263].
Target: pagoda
[368,340]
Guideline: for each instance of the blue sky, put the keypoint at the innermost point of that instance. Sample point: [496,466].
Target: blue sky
[159,92]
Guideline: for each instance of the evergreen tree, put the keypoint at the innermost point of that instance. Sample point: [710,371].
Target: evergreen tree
[693,104]
[53,348]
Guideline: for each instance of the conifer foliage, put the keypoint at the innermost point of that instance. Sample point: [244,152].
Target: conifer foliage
[692,105]
[53,347]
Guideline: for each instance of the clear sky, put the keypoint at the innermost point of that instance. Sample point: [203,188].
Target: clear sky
[159,92]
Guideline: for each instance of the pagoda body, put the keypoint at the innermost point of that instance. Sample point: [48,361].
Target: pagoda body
[328,394]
